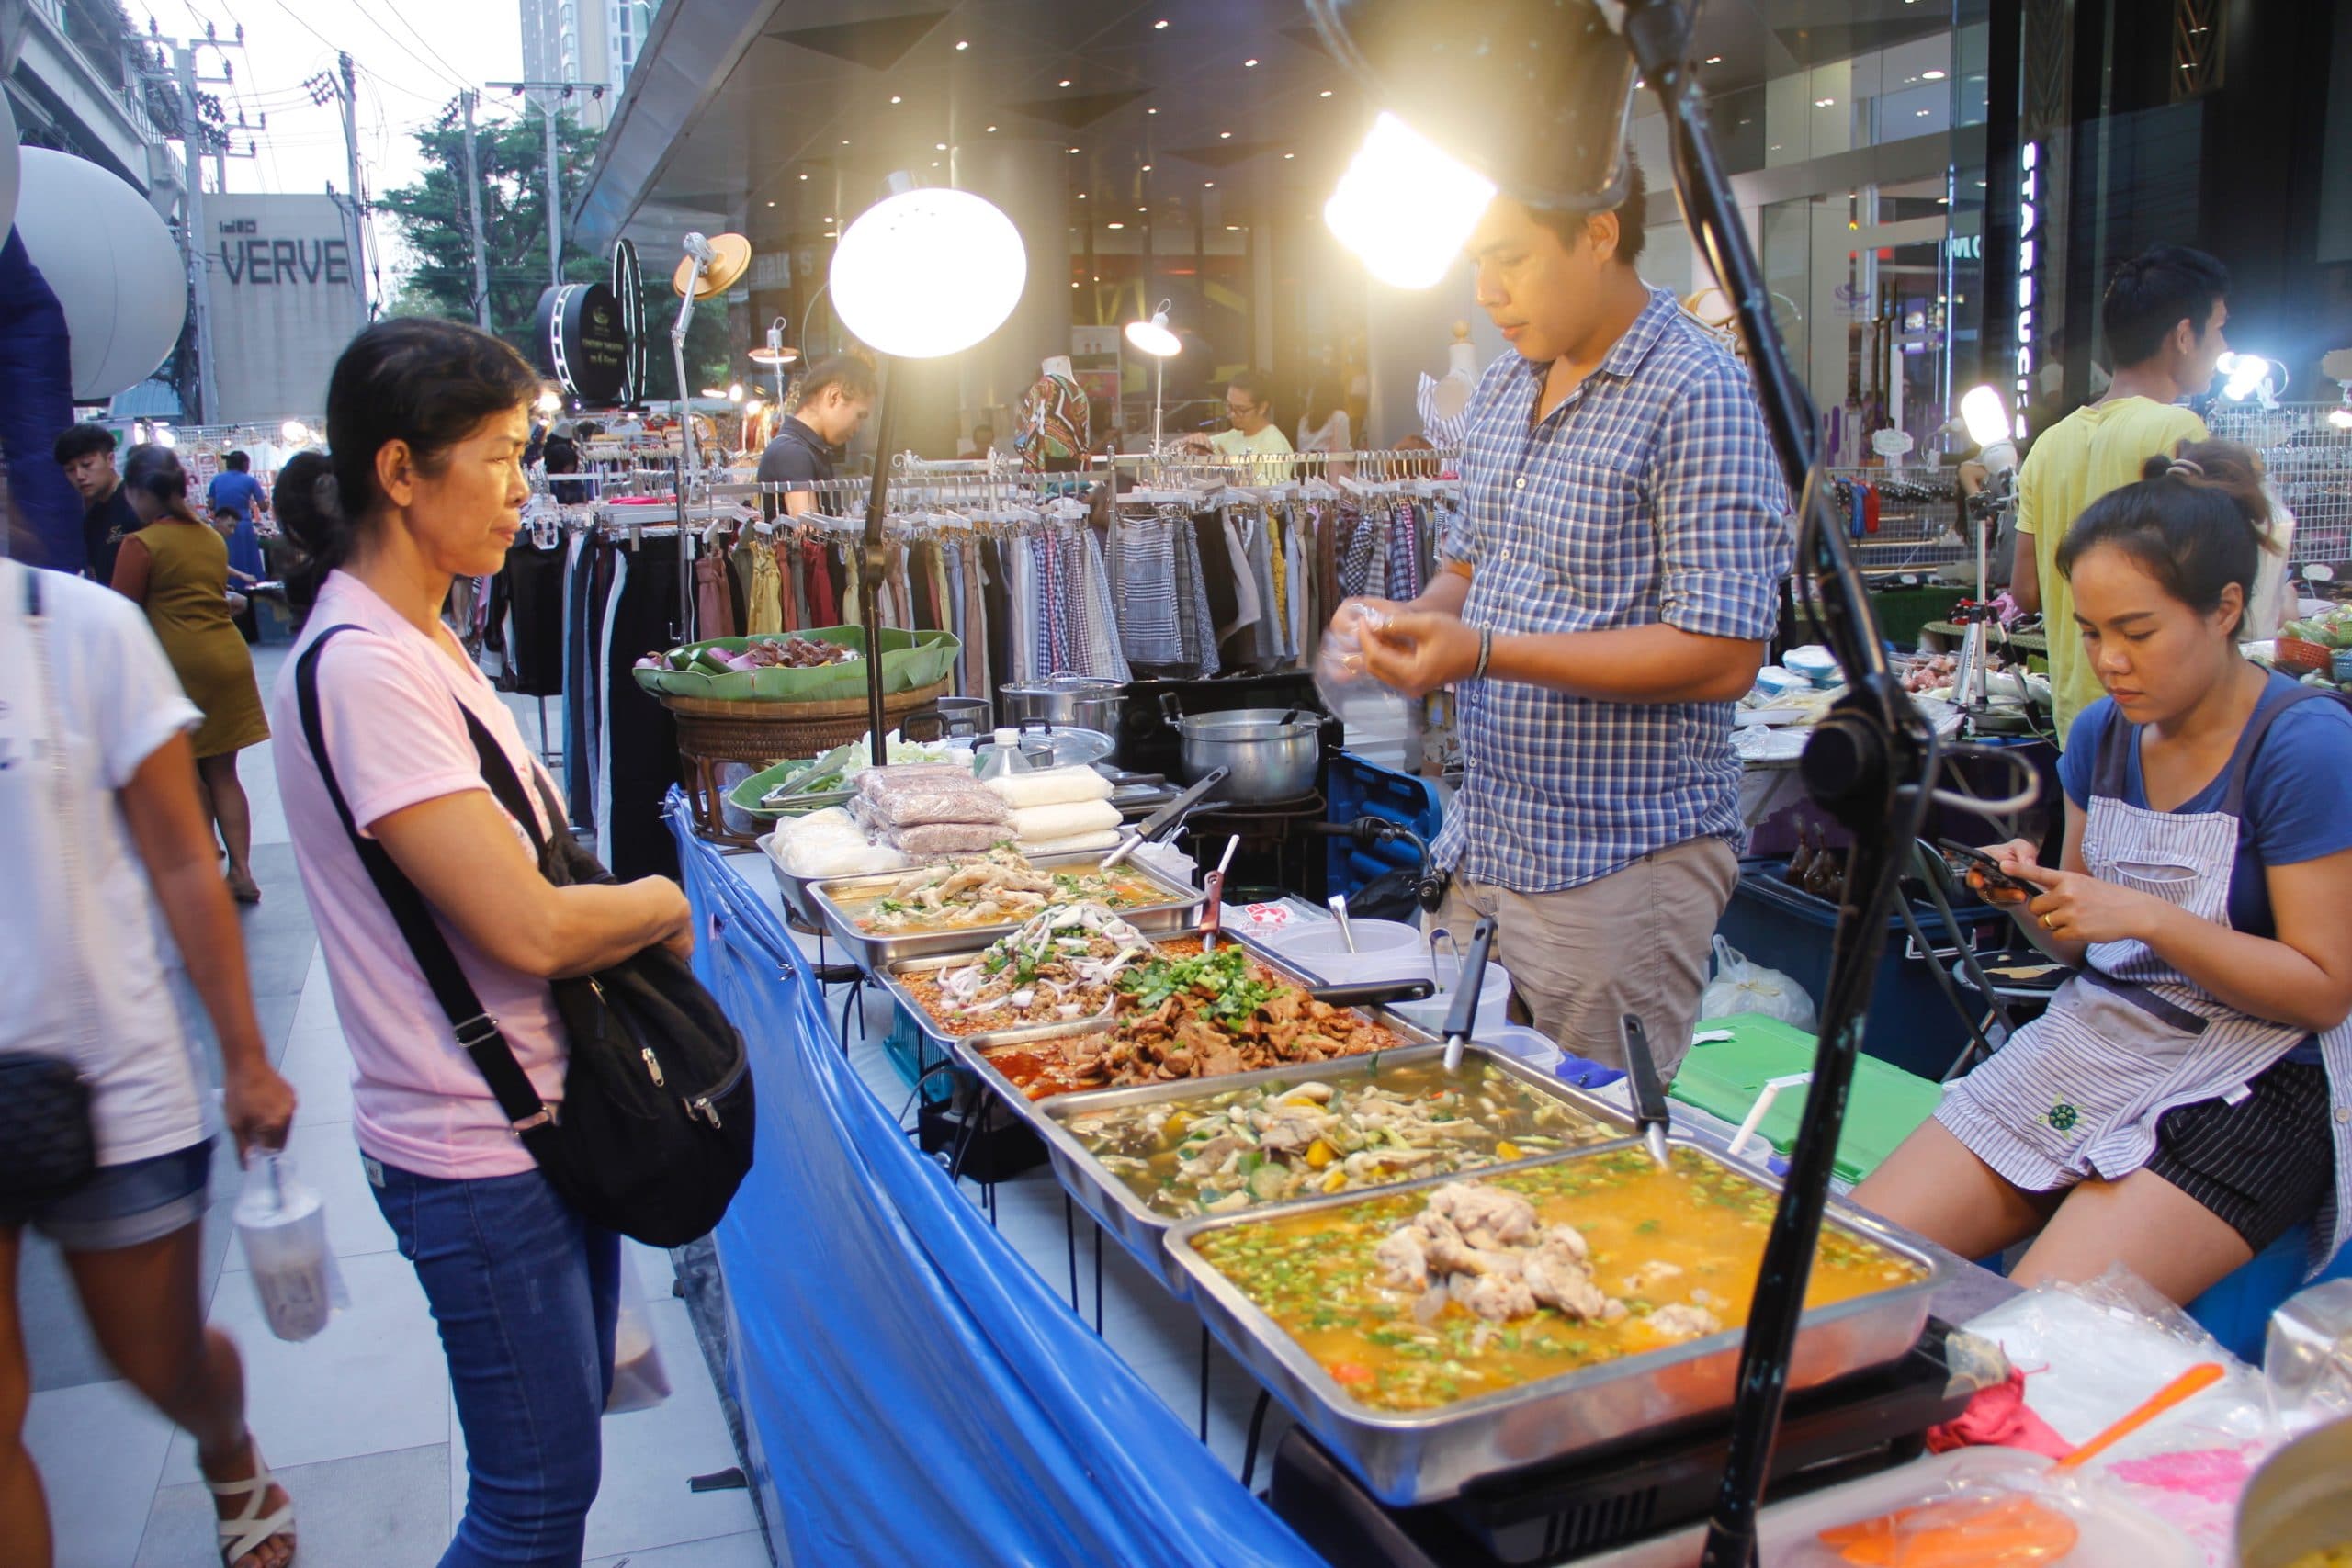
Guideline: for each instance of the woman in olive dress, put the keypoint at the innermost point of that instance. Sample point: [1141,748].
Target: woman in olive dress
[177,567]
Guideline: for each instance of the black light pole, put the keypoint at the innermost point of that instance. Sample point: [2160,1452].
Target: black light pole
[873,558]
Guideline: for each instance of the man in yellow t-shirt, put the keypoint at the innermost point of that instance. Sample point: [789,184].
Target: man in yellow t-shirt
[2162,316]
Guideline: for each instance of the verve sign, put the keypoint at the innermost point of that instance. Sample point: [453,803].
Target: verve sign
[249,258]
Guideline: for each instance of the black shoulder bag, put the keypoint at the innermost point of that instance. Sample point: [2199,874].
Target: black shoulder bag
[48,1145]
[654,1132]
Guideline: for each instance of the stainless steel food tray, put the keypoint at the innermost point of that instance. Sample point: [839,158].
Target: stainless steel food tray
[1174,912]
[794,890]
[893,978]
[1428,1455]
[1143,1230]
[976,1057]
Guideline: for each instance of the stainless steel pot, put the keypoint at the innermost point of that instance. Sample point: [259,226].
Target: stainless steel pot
[1066,702]
[1267,753]
[2300,1501]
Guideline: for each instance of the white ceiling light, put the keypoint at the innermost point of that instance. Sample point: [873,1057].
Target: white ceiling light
[928,273]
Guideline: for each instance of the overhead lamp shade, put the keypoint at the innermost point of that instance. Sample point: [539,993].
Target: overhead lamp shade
[111,263]
[732,259]
[1532,94]
[764,355]
[928,273]
[1154,338]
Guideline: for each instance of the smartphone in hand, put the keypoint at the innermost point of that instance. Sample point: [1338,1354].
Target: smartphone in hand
[1989,877]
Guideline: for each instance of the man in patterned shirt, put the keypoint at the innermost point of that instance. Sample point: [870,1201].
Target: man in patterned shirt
[1605,598]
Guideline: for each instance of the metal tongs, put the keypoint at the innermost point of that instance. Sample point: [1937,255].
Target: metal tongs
[1162,822]
[1649,1095]
[1467,982]
[1213,885]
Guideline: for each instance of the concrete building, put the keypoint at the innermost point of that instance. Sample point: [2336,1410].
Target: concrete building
[75,83]
[585,40]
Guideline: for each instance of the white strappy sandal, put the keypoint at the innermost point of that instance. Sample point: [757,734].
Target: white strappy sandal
[249,1532]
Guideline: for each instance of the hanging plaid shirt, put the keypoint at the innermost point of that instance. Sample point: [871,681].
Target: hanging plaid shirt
[1650,494]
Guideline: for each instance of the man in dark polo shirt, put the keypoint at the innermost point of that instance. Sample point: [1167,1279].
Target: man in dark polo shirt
[834,397]
[87,454]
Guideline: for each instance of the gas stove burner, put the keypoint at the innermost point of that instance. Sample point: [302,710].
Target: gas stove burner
[1277,856]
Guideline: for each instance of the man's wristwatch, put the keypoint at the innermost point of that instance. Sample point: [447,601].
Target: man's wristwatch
[1486,653]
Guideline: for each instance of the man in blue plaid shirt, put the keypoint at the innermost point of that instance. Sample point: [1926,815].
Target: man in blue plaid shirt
[1607,596]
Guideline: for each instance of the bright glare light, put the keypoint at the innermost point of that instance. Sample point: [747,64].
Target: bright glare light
[1153,337]
[1932,76]
[549,400]
[2247,375]
[295,431]
[735,392]
[1986,418]
[928,273]
[164,438]
[2340,417]
[1406,206]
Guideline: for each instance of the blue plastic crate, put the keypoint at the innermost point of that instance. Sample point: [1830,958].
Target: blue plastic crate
[1354,787]
[1911,1024]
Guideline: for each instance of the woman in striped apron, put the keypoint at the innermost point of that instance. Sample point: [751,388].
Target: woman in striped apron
[2188,1095]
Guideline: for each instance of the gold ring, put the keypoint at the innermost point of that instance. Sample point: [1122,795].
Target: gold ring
[2046,925]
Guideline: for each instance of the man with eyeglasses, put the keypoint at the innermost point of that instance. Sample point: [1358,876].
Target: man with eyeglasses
[1249,409]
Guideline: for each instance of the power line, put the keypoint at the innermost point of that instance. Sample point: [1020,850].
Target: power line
[399,17]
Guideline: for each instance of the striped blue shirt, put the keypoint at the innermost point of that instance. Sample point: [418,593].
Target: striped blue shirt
[1650,494]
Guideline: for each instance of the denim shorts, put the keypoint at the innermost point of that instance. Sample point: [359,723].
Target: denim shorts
[124,1205]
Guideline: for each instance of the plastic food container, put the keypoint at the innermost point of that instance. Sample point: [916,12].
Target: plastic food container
[1322,941]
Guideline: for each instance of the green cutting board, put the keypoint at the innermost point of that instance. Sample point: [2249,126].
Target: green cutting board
[1723,1078]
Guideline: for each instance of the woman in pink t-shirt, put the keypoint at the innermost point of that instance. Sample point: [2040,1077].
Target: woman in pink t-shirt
[429,421]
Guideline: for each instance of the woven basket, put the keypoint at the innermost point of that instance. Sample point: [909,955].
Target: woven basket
[762,734]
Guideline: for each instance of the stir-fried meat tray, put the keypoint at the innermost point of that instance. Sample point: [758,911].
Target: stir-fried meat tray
[963,906]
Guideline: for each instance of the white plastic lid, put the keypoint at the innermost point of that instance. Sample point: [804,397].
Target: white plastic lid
[1008,737]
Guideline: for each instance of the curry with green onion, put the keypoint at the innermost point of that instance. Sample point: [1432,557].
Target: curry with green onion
[1666,1249]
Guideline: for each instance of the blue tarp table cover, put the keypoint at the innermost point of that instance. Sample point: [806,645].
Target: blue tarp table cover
[911,1390]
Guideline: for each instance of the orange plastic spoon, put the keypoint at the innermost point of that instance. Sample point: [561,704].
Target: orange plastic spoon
[2195,1381]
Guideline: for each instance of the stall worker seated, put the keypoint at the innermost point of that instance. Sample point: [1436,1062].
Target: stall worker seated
[2188,1097]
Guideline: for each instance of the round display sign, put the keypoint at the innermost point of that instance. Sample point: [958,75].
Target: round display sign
[583,341]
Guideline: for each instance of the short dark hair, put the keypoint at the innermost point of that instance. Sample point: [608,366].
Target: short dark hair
[240,461]
[81,440]
[414,379]
[853,376]
[1256,384]
[1632,209]
[2197,521]
[2155,292]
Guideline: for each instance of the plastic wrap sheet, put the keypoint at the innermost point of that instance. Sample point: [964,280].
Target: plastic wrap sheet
[914,1390]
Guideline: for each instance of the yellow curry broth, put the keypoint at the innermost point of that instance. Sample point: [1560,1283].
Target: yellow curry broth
[1314,1274]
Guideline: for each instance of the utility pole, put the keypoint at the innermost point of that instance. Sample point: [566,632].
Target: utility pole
[358,212]
[198,238]
[473,218]
[549,105]
[555,207]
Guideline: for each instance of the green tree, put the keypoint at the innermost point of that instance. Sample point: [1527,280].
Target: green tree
[511,157]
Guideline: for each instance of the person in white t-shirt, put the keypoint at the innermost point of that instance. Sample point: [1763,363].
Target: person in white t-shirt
[101,826]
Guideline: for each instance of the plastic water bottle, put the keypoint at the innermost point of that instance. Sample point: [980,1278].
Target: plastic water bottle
[1002,756]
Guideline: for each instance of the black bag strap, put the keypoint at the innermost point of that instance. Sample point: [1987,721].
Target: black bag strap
[476,1031]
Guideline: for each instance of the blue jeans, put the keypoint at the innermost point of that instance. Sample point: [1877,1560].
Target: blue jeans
[525,1294]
